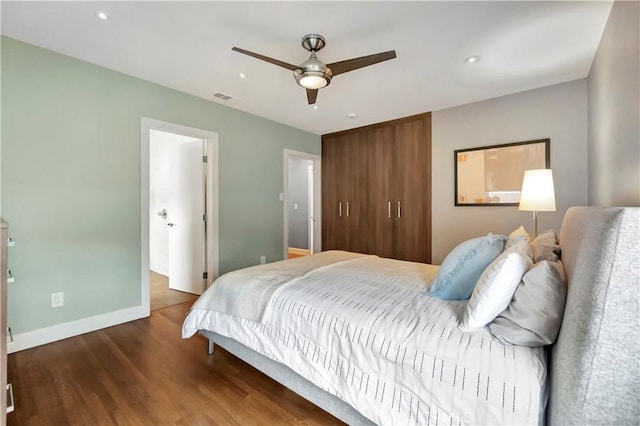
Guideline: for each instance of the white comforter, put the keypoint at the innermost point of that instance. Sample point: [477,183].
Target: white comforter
[363,329]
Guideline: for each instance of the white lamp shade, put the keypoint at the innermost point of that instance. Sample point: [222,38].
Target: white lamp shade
[312,82]
[537,191]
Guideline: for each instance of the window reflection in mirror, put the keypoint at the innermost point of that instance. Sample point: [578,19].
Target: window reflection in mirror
[492,175]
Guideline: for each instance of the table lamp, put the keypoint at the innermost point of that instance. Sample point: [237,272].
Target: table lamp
[537,194]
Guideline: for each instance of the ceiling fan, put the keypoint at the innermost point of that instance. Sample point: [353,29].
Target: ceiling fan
[313,74]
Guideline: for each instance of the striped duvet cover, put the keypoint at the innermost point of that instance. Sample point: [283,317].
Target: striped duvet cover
[363,329]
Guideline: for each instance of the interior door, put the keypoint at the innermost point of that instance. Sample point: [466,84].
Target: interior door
[354,189]
[186,217]
[412,201]
[332,235]
[382,199]
[344,193]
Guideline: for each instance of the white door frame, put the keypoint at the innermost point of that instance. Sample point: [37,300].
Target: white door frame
[212,229]
[317,196]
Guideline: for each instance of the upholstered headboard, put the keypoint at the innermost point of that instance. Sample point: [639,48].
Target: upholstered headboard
[595,363]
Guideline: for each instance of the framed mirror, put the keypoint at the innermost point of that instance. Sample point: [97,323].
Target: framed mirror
[492,175]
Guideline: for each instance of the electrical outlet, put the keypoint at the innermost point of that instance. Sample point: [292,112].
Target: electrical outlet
[57,300]
[263,260]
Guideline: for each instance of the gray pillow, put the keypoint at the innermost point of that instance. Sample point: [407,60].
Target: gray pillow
[545,247]
[534,315]
[541,252]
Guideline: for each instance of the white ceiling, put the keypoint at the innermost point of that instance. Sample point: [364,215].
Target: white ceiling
[187,46]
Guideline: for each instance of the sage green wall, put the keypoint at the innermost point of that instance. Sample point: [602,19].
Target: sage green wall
[71,181]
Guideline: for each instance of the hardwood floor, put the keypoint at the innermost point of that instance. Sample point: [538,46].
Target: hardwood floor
[293,252]
[162,296]
[144,373]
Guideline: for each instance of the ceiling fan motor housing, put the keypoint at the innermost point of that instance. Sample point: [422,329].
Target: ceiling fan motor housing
[313,42]
[313,74]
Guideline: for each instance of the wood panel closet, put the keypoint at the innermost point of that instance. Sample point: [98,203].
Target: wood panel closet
[376,189]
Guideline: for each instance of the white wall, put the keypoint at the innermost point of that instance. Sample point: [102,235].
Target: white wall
[557,112]
[614,111]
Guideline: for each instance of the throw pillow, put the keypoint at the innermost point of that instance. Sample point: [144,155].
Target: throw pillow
[462,267]
[534,316]
[521,246]
[494,290]
[517,235]
[545,247]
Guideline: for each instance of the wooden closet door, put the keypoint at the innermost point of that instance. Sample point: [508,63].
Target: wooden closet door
[368,171]
[381,147]
[412,182]
[344,192]
[332,236]
[354,188]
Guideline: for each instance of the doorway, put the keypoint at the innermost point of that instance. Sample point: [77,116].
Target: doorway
[302,217]
[179,213]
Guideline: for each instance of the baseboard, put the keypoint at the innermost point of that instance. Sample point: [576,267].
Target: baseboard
[42,336]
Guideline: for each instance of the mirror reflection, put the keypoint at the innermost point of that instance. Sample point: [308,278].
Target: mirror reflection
[492,175]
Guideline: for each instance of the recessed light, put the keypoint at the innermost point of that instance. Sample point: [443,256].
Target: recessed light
[472,60]
[102,16]
[352,116]
[243,75]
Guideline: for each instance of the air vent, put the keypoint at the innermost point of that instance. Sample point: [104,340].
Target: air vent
[223,96]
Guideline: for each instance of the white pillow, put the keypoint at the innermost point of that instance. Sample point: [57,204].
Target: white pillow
[494,290]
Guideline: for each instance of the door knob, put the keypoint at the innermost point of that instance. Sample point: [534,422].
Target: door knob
[171,224]
[163,213]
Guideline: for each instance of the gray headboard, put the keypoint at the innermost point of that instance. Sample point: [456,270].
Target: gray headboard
[595,363]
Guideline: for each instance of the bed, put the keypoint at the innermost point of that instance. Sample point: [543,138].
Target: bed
[360,336]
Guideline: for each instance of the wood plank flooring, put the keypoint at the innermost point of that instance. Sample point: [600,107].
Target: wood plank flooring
[144,373]
[293,252]
[162,296]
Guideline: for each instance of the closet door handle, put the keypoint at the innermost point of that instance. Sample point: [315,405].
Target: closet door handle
[340,208]
[389,209]
[398,209]
[347,209]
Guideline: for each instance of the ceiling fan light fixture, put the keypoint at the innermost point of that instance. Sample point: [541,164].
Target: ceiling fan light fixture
[313,74]
[312,79]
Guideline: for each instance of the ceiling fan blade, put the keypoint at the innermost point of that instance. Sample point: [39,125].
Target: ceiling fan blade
[312,94]
[266,59]
[361,62]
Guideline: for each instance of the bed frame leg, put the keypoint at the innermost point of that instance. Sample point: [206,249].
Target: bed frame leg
[210,347]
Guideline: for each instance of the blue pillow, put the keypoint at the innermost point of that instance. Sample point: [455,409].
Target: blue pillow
[463,266]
